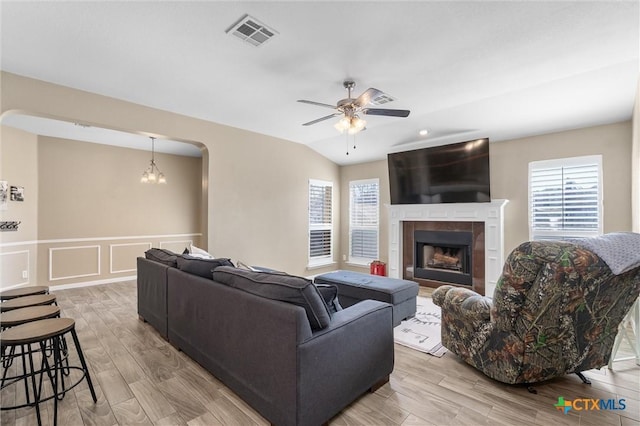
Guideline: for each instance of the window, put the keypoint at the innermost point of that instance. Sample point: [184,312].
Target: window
[565,198]
[364,201]
[320,222]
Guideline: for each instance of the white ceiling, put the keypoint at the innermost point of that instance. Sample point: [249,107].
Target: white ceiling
[465,69]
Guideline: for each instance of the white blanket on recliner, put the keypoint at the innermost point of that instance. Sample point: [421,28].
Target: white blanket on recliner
[619,250]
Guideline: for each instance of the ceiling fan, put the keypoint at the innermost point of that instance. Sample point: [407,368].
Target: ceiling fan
[350,109]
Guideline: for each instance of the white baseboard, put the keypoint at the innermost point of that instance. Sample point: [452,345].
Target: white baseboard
[91,283]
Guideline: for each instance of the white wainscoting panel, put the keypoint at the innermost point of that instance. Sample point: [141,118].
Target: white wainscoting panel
[123,257]
[12,265]
[73,262]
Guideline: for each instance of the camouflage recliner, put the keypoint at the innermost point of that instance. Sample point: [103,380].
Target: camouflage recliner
[555,310]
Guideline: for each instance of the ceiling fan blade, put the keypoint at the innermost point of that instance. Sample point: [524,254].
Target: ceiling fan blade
[367,96]
[321,119]
[387,112]
[316,103]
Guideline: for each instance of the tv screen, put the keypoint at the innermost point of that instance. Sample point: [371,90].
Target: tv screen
[456,173]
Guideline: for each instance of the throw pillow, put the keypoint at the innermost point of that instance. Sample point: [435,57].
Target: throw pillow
[199,266]
[286,288]
[198,252]
[241,265]
[329,293]
[164,256]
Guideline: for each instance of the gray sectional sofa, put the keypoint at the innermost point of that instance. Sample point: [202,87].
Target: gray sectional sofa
[266,350]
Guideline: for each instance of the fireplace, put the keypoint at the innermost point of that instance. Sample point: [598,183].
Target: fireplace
[484,220]
[443,256]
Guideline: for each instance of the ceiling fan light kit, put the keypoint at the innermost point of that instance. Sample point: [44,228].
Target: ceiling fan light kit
[351,125]
[350,108]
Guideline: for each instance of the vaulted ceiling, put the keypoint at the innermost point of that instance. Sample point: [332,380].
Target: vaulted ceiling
[465,69]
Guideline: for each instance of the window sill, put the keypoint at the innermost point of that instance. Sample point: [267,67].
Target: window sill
[313,266]
[358,265]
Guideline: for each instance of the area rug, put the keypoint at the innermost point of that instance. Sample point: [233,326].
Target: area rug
[422,332]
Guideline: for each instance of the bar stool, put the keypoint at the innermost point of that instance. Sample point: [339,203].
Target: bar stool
[20,316]
[39,333]
[23,291]
[17,317]
[27,301]
[19,303]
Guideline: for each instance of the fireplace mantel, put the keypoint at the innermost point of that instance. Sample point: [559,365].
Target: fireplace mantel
[492,214]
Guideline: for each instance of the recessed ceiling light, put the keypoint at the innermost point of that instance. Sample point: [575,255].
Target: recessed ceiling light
[423,132]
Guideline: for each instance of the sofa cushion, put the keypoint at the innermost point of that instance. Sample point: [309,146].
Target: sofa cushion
[330,295]
[164,256]
[286,288]
[199,266]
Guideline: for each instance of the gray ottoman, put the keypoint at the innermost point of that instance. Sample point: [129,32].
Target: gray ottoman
[355,286]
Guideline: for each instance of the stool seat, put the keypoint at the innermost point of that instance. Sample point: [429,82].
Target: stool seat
[25,302]
[24,291]
[20,316]
[36,331]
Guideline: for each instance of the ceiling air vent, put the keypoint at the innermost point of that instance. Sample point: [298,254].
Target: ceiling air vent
[252,31]
[382,98]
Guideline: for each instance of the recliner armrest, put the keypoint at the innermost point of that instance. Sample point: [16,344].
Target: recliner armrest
[464,303]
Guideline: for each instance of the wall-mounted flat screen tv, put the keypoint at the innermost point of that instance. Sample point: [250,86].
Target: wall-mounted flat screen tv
[455,173]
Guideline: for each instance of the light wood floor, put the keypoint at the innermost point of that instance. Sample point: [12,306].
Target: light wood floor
[141,379]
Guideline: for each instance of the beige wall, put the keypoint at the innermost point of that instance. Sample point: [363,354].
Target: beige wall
[256,185]
[510,165]
[509,177]
[90,216]
[93,190]
[95,217]
[371,170]
[262,214]
[18,166]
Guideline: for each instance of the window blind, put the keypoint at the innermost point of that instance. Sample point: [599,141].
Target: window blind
[565,198]
[320,219]
[364,201]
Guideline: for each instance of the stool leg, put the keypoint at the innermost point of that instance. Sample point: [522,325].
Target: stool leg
[45,367]
[7,361]
[24,368]
[65,357]
[84,364]
[33,382]
[57,366]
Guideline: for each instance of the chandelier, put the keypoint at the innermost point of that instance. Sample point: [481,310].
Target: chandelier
[153,173]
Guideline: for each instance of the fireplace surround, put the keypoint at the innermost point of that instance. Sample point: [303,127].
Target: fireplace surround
[486,218]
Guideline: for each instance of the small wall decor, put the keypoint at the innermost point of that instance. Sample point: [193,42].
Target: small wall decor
[8,226]
[17,193]
[4,194]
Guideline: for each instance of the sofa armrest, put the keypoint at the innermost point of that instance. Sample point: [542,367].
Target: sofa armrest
[344,360]
[462,303]
[355,312]
[152,293]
